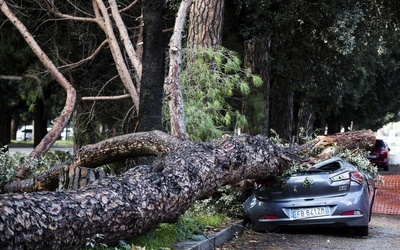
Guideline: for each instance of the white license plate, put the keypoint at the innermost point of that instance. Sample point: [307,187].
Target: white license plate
[309,212]
[372,156]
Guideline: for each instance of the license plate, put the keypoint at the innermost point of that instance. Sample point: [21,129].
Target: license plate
[309,212]
[372,156]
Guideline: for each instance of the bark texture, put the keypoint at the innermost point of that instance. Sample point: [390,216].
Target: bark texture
[172,86]
[150,111]
[125,206]
[205,24]
[258,58]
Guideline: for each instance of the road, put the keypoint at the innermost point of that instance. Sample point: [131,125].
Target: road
[384,234]
[27,150]
[394,158]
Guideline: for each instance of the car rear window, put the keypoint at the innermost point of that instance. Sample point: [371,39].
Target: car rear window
[379,144]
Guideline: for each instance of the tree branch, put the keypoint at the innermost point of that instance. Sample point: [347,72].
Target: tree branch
[105,98]
[116,51]
[95,155]
[172,82]
[66,113]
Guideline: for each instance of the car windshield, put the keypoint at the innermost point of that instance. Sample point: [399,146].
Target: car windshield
[379,144]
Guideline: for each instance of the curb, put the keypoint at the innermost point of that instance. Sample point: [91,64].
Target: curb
[209,242]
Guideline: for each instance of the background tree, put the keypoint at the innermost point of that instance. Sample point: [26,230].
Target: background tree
[322,63]
[150,115]
[205,24]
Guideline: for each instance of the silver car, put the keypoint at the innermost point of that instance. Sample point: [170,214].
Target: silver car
[331,193]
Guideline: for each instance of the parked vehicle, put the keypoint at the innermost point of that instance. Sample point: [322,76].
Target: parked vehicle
[67,134]
[379,154]
[25,133]
[331,193]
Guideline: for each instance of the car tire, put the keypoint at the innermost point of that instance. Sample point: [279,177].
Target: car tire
[386,167]
[361,231]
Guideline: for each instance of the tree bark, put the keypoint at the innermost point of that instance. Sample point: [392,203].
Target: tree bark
[151,89]
[125,206]
[281,109]
[258,58]
[5,125]
[172,85]
[104,21]
[205,24]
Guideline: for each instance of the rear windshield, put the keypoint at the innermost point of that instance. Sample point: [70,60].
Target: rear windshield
[379,144]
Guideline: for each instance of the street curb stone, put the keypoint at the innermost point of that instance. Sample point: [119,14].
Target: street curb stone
[209,242]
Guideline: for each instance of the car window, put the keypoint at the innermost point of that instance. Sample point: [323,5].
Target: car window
[379,144]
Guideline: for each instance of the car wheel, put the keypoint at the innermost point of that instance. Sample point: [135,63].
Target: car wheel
[361,231]
[386,167]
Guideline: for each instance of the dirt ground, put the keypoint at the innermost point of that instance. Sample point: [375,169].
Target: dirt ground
[384,232]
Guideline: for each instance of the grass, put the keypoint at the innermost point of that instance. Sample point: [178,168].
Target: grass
[165,235]
[58,143]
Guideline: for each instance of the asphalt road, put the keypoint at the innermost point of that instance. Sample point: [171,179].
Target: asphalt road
[394,158]
[384,233]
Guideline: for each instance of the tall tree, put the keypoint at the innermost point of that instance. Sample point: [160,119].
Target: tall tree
[205,24]
[150,104]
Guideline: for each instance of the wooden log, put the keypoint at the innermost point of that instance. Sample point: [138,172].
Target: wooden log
[125,206]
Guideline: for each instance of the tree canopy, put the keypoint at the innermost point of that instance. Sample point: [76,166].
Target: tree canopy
[331,57]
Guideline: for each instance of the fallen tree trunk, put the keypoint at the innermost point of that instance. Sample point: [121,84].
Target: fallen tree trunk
[121,147]
[122,207]
[125,206]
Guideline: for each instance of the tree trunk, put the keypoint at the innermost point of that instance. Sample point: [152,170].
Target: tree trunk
[95,155]
[122,207]
[258,58]
[5,125]
[39,121]
[125,206]
[151,89]
[281,114]
[306,117]
[205,24]
[172,86]
[104,21]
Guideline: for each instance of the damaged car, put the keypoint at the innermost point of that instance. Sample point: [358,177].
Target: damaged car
[331,193]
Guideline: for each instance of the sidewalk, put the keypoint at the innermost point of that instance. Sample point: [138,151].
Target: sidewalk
[212,241]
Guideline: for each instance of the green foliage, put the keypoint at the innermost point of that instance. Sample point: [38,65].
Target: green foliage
[358,158]
[227,201]
[7,169]
[213,86]
[338,58]
[10,163]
